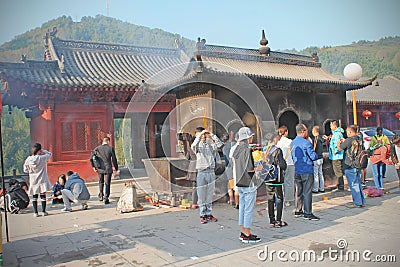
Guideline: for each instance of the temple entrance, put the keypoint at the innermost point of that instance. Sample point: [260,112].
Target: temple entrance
[290,119]
[157,126]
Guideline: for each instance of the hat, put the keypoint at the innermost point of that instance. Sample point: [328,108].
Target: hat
[245,133]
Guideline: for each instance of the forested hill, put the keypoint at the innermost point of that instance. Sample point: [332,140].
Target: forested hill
[97,29]
[376,57]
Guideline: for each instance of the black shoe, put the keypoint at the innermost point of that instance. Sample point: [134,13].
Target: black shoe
[315,192]
[321,191]
[106,201]
[237,207]
[100,198]
[298,214]
[243,235]
[250,239]
[311,217]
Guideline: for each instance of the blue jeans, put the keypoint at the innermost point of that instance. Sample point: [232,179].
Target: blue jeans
[377,173]
[247,199]
[205,182]
[319,182]
[354,178]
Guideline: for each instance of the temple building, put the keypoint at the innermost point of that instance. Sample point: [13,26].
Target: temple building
[76,92]
[377,104]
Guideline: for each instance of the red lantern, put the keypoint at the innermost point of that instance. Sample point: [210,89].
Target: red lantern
[367,113]
[398,115]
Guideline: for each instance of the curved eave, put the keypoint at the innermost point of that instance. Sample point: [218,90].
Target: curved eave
[36,84]
[348,85]
[374,102]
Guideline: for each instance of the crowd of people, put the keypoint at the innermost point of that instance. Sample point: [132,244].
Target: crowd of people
[297,163]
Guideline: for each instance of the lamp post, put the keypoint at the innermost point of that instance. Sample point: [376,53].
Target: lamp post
[353,72]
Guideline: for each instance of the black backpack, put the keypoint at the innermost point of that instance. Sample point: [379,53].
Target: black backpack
[16,199]
[357,154]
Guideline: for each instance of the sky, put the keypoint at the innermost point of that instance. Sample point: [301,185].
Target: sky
[288,23]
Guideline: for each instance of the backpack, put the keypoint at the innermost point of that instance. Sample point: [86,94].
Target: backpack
[270,171]
[14,202]
[357,155]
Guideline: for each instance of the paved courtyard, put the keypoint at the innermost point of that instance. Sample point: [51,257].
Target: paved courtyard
[174,237]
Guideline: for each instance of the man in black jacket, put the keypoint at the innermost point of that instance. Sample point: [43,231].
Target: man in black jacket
[108,162]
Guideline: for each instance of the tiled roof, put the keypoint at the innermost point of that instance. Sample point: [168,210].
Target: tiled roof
[277,66]
[81,64]
[89,64]
[387,92]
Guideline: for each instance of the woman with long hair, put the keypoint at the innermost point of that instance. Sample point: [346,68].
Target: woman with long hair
[284,144]
[36,166]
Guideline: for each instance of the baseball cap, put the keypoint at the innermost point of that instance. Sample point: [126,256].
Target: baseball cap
[245,133]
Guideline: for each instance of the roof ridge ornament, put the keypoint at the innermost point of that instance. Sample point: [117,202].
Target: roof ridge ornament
[315,57]
[264,49]
[61,64]
[23,58]
[201,44]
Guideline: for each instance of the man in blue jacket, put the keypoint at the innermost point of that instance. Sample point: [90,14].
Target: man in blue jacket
[334,154]
[303,156]
[76,191]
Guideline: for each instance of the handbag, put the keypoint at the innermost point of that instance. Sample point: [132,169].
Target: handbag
[219,165]
[95,160]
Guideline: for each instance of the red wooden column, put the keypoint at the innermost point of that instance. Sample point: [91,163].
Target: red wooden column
[172,133]
[152,132]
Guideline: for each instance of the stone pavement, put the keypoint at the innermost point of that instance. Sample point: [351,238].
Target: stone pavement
[174,237]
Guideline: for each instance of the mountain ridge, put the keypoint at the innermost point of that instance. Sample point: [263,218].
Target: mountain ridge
[380,57]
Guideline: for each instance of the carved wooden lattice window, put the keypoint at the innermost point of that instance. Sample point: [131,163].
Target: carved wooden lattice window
[95,134]
[67,143]
[80,135]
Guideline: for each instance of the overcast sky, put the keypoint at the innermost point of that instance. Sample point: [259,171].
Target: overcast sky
[288,23]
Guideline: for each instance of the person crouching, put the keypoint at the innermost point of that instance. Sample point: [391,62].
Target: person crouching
[76,191]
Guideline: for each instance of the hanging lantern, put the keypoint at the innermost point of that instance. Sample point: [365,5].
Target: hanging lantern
[398,115]
[367,113]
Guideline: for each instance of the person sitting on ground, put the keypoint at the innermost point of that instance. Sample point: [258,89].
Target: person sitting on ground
[76,191]
[17,198]
[57,188]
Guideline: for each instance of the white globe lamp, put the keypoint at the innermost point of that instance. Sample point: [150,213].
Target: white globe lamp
[352,72]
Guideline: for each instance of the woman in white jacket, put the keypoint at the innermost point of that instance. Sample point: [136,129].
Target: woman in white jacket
[36,166]
[284,144]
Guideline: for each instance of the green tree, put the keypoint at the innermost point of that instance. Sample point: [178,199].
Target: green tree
[16,139]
